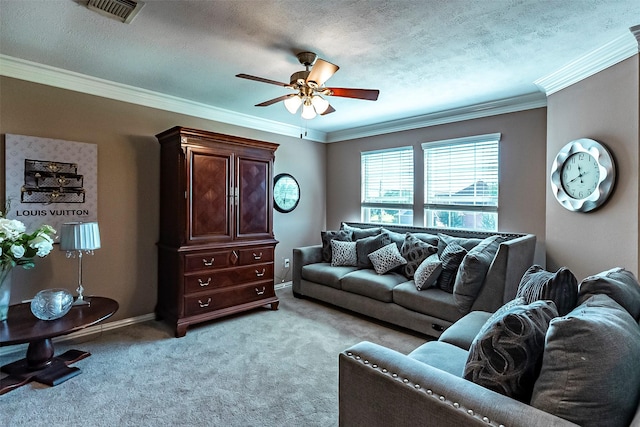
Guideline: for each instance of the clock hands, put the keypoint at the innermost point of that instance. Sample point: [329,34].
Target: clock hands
[580,175]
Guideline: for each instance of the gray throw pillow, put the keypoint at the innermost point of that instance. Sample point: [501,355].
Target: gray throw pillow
[444,240]
[415,251]
[397,238]
[472,272]
[590,371]
[386,258]
[367,245]
[561,287]
[361,233]
[451,258]
[328,236]
[428,272]
[343,253]
[505,358]
[621,285]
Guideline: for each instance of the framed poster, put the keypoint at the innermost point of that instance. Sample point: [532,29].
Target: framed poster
[50,181]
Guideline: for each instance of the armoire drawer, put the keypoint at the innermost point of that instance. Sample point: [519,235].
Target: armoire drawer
[206,260]
[214,279]
[256,255]
[230,297]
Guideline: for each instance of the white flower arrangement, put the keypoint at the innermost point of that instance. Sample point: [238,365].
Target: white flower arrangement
[17,247]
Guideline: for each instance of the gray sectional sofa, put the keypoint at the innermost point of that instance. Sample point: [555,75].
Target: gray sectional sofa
[585,367]
[394,298]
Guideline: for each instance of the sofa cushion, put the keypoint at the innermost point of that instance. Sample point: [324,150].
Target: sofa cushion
[397,238]
[370,284]
[472,272]
[415,251]
[560,287]
[621,286]
[386,258]
[444,240]
[327,236]
[441,355]
[462,332]
[432,302]
[451,258]
[325,274]
[361,233]
[506,357]
[343,253]
[367,245]
[590,371]
[428,272]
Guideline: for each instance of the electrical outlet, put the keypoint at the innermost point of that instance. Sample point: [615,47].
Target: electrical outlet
[286,263]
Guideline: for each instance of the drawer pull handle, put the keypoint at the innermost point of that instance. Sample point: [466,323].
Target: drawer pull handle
[203,284]
[258,274]
[257,257]
[208,263]
[204,304]
[260,292]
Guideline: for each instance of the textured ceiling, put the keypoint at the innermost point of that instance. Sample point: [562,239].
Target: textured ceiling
[424,56]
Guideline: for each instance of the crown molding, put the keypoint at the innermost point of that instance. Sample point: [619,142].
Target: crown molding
[485,109]
[64,79]
[617,50]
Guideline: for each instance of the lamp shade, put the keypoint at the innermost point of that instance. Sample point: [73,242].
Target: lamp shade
[79,236]
[293,103]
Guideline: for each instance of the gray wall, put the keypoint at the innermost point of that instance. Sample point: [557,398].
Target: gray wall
[522,170]
[128,188]
[604,107]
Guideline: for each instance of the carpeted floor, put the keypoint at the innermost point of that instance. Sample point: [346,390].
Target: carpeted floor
[261,368]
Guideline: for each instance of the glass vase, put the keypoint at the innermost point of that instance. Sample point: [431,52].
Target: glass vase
[5,291]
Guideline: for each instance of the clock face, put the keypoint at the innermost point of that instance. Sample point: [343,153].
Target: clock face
[580,175]
[583,175]
[286,193]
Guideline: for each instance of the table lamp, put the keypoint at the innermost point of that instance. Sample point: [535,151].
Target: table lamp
[76,237]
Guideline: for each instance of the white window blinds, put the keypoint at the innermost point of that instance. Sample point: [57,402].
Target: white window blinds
[387,176]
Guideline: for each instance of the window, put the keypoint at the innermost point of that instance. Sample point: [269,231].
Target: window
[461,183]
[387,186]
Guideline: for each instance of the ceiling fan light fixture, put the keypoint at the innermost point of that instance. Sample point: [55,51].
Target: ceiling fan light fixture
[293,103]
[319,104]
[308,112]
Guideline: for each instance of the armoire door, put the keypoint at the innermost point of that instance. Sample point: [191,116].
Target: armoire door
[254,213]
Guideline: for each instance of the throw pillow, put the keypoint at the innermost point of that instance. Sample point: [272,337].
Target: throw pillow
[444,240]
[499,313]
[360,233]
[590,371]
[415,251]
[621,285]
[561,287]
[367,245]
[397,238]
[427,273]
[386,258]
[328,236]
[343,253]
[472,272]
[506,357]
[451,258]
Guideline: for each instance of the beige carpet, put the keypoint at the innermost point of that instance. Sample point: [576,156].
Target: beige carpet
[261,368]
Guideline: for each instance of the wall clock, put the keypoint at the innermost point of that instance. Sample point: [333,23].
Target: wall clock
[583,175]
[286,193]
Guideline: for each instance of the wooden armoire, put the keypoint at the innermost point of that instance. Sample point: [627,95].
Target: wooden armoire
[216,247]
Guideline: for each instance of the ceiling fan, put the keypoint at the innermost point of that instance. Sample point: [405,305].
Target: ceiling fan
[309,86]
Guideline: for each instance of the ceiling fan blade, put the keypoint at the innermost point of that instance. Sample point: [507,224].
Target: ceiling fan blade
[322,71]
[263,80]
[273,101]
[368,94]
[328,111]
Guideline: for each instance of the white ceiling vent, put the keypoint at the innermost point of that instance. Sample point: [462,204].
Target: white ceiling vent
[122,10]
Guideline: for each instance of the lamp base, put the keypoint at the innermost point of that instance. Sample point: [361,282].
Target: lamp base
[81,301]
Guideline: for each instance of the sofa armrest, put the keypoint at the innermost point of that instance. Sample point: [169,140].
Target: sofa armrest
[381,387]
[301,257]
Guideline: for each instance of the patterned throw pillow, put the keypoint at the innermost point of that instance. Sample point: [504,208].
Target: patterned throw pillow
[506,357]
[415,251]
[328,236]
[451,258]
[560,287]
[343,253]
[427,273]
[367,245]
[386,258]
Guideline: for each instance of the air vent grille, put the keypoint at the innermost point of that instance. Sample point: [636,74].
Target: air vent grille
[123,10]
